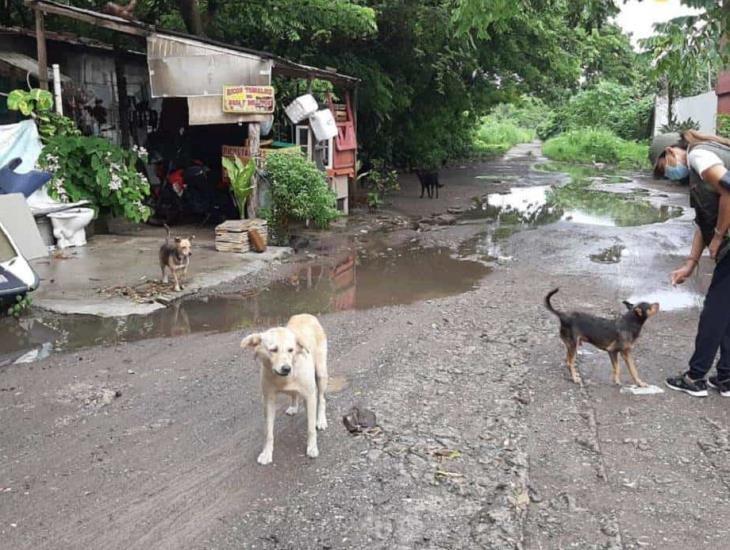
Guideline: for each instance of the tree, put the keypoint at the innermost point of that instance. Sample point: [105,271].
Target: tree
[683,56]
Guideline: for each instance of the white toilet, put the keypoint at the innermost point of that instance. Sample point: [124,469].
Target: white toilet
[69,226]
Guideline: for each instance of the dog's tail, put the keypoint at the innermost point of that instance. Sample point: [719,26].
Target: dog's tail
[167,237]
[550,306]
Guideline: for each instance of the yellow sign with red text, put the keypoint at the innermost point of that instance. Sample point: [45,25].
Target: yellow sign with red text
[248,99]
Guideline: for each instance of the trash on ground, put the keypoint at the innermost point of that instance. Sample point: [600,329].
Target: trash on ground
[637,390]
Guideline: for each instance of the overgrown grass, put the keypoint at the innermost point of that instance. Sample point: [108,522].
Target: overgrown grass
[596,145]
[495,137]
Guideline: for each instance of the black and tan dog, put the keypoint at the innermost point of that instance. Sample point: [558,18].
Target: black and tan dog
[612,335]
[175,257]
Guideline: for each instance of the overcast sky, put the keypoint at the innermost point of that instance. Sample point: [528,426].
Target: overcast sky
[637,18]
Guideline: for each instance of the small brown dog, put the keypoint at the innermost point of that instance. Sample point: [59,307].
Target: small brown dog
[612,335]
[175,257]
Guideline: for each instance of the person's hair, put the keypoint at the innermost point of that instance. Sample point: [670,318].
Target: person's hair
[659,165]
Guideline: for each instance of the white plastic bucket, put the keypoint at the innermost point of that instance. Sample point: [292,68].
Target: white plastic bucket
[301,108]
[323,125]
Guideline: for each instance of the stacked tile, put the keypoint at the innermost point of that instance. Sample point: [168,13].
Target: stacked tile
[232,235]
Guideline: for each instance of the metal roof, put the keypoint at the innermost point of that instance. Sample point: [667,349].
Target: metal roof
[26,64]
[281,65]
[67,38]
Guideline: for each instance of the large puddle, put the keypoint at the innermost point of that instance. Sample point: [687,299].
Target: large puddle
[391,276]
[576,202]
[373,277]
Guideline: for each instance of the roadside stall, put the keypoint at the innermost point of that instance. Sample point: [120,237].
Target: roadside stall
[226,110]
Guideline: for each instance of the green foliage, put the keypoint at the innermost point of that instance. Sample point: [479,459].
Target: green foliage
[674,125]
[94,169]
[380,181]
[609,105]
[723,125]
[37,104]
[607,54]
[429,70]
[299,191]
[596,145]
[30,102]
[527,112]
[495,136]
[683,51]
[22,305]
[240,175]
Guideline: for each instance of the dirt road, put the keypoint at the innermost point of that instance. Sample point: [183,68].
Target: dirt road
[483,442]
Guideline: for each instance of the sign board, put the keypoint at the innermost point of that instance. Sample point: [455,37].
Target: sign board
[248,99]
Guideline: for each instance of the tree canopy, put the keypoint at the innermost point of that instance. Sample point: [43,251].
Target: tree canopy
[429,68]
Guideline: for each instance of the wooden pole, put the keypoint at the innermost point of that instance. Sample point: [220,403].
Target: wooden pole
[254,150]
[40,40]
[122,97]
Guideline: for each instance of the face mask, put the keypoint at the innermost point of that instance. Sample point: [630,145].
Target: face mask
[676,173]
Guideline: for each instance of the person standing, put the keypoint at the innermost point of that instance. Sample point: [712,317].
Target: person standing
[705,160]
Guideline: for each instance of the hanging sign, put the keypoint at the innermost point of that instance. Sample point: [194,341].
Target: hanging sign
[248,99]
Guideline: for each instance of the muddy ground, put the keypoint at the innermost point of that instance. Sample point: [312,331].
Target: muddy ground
[483,441]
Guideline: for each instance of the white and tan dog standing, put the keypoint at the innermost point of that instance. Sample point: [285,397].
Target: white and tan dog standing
[293,361]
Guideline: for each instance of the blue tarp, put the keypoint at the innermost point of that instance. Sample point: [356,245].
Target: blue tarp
[20,141]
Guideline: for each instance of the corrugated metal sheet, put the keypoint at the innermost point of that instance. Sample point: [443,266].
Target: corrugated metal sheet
[209,110]
[27,64]
[180,67]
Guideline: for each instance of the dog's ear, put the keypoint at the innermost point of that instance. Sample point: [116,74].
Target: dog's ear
[628,305]
[251,341]
[191,238]
[639,312]
[301,348]
[177,240]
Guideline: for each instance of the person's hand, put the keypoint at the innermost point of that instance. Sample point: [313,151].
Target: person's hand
[715,245]
[683,273]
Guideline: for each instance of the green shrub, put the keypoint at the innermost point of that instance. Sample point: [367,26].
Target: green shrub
[596,145]
[380,181]
[496,136]
[723,125]
[616,107]
[38,105]
[299,191]
[528,112]
[94,169]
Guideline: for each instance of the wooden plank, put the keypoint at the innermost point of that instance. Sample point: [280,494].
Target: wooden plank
[40,40]
[108,22]
[254,145]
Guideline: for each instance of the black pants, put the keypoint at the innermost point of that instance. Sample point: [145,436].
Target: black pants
[713,331]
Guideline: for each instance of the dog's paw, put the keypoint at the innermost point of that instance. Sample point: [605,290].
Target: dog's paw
[312,451]
[322,423]
[642,384]
[291,411]
[265,457]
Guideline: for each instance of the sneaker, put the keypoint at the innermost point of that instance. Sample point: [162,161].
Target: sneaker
[695,388]
[723,386]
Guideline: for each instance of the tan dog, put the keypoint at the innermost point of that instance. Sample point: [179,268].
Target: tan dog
[175,257]
[293,361]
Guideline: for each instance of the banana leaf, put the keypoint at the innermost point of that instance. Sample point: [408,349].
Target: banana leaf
[240,175]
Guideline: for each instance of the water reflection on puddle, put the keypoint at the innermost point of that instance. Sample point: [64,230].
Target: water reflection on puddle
[575,202]
[670,299]
[397,276]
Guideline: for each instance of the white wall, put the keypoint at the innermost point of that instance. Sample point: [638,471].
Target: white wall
[700,108]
